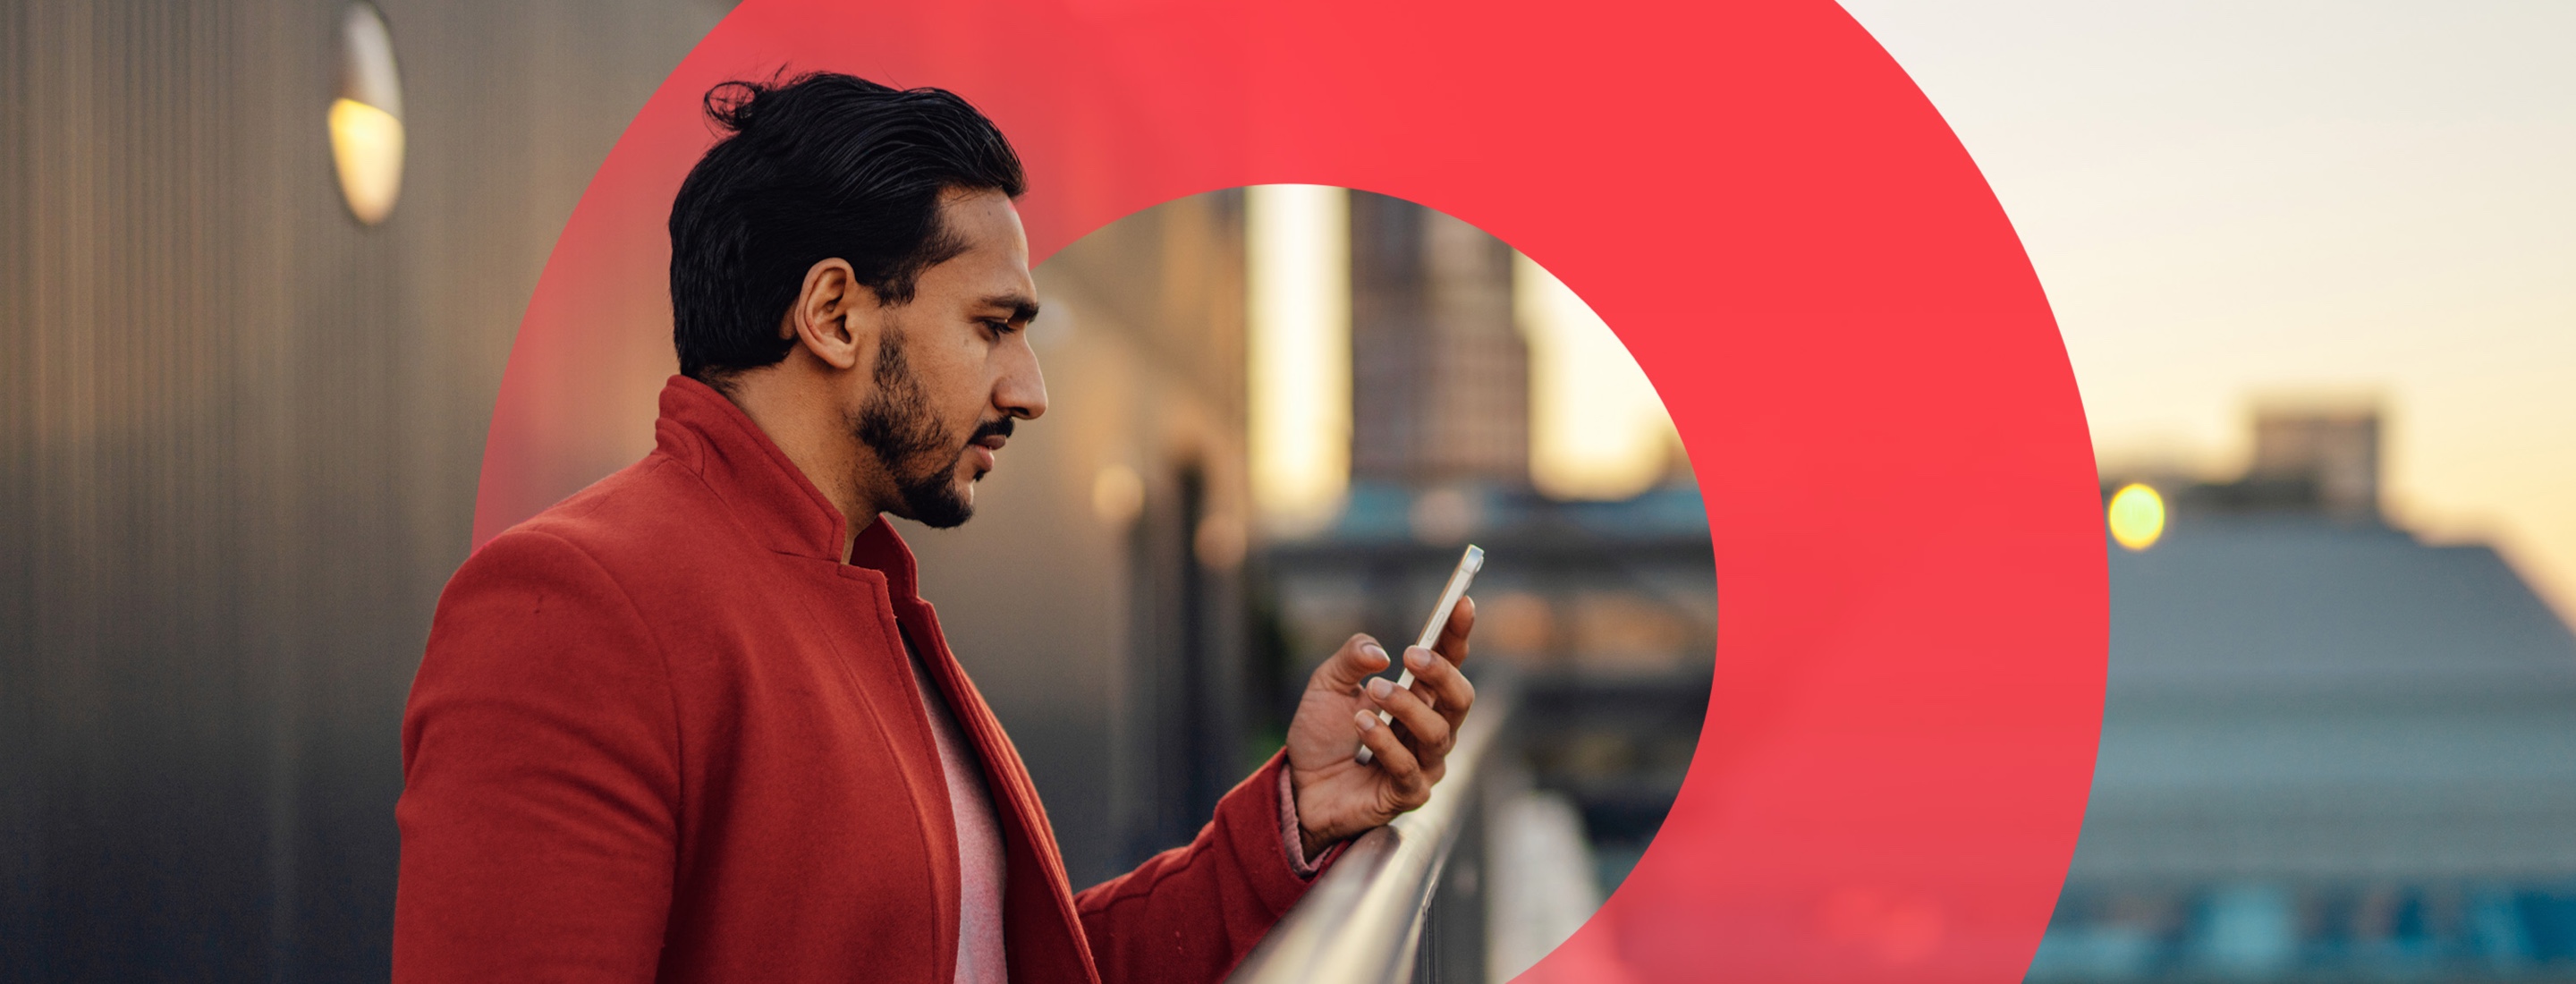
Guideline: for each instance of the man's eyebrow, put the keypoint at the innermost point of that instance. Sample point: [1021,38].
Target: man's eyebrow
[1022,306]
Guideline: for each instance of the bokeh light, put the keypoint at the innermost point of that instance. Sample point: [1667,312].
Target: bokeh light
[2137,516]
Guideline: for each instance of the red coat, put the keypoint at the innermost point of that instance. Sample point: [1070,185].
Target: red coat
[662,732]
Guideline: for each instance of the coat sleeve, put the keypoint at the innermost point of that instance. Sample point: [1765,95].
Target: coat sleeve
[540,778]
[1191,913]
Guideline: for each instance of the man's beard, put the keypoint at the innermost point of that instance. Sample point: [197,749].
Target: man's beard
[914,450]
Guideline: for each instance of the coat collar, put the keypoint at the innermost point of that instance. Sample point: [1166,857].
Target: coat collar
[767,493]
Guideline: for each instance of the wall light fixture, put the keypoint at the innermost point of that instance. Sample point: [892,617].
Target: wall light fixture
[367,118]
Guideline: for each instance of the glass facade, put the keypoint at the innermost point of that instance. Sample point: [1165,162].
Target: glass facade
[2274,931]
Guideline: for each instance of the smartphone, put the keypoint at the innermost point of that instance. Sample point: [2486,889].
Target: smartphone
[1468,564]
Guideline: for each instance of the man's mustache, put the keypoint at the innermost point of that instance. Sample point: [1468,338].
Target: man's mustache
[998,428]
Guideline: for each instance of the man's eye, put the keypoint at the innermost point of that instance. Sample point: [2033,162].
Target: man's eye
[999,326]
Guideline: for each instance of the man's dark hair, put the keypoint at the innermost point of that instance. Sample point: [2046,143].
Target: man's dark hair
[818,166]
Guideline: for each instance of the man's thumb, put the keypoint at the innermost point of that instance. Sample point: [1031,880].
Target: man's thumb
[1358,659]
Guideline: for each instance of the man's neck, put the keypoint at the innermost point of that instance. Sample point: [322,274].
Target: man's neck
[825,455]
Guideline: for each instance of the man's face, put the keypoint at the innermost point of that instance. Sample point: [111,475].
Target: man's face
[953,368]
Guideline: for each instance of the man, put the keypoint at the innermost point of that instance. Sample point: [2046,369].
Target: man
[694,723]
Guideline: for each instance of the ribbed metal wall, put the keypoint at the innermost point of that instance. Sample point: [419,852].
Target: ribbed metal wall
[241,436]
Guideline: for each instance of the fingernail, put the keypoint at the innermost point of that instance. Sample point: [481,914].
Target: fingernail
[1381,687]
[1368,721]
[1373,649]
[1417,657]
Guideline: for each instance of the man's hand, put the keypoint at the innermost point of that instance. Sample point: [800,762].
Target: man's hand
[1337,796]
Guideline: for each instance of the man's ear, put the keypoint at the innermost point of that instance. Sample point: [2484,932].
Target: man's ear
[835,317]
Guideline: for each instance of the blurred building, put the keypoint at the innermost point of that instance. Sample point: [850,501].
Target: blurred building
[2330,751]
[2324,459]
[1440,373]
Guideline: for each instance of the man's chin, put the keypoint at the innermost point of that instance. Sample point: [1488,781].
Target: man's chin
[940,506]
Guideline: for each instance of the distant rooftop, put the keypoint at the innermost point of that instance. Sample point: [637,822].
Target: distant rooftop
[2290,602]
[2300,692]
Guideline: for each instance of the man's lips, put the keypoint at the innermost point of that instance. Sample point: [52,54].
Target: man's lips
[984,450]
[988,440]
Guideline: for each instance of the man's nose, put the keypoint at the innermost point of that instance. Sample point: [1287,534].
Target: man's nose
[1022,391]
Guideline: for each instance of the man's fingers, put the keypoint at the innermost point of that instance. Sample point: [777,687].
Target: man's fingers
[1397,760]
[1430,731]
[1358,659]
[1441,685]
[1453,636]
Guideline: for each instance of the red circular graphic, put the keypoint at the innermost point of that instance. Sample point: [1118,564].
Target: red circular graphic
[1860,360]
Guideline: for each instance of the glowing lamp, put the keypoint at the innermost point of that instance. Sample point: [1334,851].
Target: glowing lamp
[366,119]
[2137,516]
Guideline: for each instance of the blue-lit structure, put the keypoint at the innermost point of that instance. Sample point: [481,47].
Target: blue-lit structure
[2330,752]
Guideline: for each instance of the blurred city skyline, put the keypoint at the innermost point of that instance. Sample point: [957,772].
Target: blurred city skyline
[2237,204]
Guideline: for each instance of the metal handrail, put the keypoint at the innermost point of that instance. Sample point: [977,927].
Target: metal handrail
[1363,919]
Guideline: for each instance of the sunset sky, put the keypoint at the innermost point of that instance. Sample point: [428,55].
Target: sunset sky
[2228,202]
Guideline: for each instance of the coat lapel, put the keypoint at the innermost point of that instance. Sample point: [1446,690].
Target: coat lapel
[1045,932]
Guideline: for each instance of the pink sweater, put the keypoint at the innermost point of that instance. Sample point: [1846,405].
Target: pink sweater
[981,875]
[979,842]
